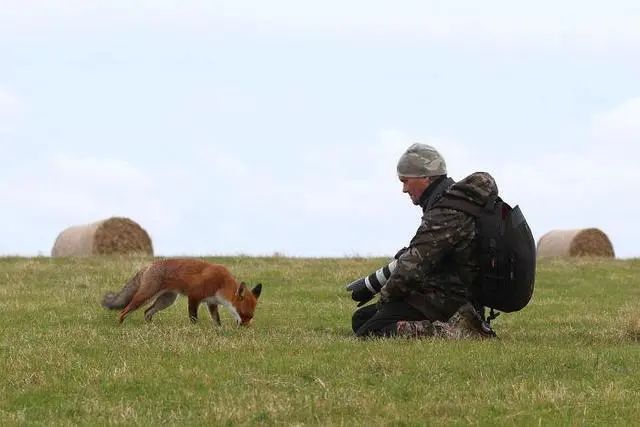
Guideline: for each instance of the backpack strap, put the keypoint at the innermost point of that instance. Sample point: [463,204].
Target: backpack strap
[466,206]
[489,244]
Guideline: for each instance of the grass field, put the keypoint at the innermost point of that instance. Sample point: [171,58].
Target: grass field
[569,358]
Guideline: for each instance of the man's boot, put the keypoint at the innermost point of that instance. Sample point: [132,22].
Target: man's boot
[465,323]
[414,328]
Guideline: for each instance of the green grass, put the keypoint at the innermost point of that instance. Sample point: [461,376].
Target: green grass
[569,358]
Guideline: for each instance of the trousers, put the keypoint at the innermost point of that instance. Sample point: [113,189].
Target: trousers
[372,320]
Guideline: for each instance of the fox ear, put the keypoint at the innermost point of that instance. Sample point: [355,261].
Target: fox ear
[257,290]
[241,289]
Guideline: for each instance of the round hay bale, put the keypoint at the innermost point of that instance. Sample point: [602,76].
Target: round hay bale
[572,243]
[106,237]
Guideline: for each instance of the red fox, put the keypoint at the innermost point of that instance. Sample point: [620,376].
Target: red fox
[200,281]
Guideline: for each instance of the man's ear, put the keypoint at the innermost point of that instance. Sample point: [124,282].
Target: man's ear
[241,289]
[257,290]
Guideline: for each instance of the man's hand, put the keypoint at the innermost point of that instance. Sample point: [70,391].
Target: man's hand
[360,292]
[400,252]
[384,296]
[364,289]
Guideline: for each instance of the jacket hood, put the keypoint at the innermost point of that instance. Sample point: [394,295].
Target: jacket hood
[477,188]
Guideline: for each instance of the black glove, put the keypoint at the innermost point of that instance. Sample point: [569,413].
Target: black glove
[360,292]
[364,289]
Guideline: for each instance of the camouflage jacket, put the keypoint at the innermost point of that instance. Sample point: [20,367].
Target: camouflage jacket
[434,274]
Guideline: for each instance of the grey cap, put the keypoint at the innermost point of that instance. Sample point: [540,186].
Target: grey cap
[421,160]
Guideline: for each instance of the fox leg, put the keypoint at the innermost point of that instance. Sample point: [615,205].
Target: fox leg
[162,302]
[133,305]
[193,309]
[232,310]
[213,311]
[140,298]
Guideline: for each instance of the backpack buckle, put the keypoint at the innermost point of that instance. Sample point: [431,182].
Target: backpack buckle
[492,315]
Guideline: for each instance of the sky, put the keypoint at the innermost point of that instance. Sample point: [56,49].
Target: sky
[259,128]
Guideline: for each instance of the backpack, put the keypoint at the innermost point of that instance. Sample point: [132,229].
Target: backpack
[506,253]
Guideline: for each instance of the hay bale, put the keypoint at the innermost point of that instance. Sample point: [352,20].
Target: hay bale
[572,243]
[106,237]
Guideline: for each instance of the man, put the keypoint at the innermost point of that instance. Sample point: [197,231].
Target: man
[428,292]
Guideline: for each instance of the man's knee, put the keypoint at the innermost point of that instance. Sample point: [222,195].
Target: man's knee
[362,316]
[376,329]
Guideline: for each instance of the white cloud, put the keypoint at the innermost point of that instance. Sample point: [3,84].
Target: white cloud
[45,197]
[11,110]
[336,199]
[218,161]
[594,186]
[615,154]
[593,26]
[620,127]
[94,172]
[349,197]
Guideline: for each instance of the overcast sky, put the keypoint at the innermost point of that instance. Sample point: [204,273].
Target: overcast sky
[254,127]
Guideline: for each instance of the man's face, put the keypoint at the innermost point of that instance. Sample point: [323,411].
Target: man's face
[415,187]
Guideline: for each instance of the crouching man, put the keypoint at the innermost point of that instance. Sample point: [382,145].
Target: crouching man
[426,289]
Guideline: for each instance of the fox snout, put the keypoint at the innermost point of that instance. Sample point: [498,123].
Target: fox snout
[246,303]
[245,317]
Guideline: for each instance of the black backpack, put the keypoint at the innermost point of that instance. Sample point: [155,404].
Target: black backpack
[506,253]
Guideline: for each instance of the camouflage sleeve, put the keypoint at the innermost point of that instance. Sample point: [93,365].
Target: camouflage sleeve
[441,231]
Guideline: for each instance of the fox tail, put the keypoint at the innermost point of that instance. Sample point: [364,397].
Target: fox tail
[118,301]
